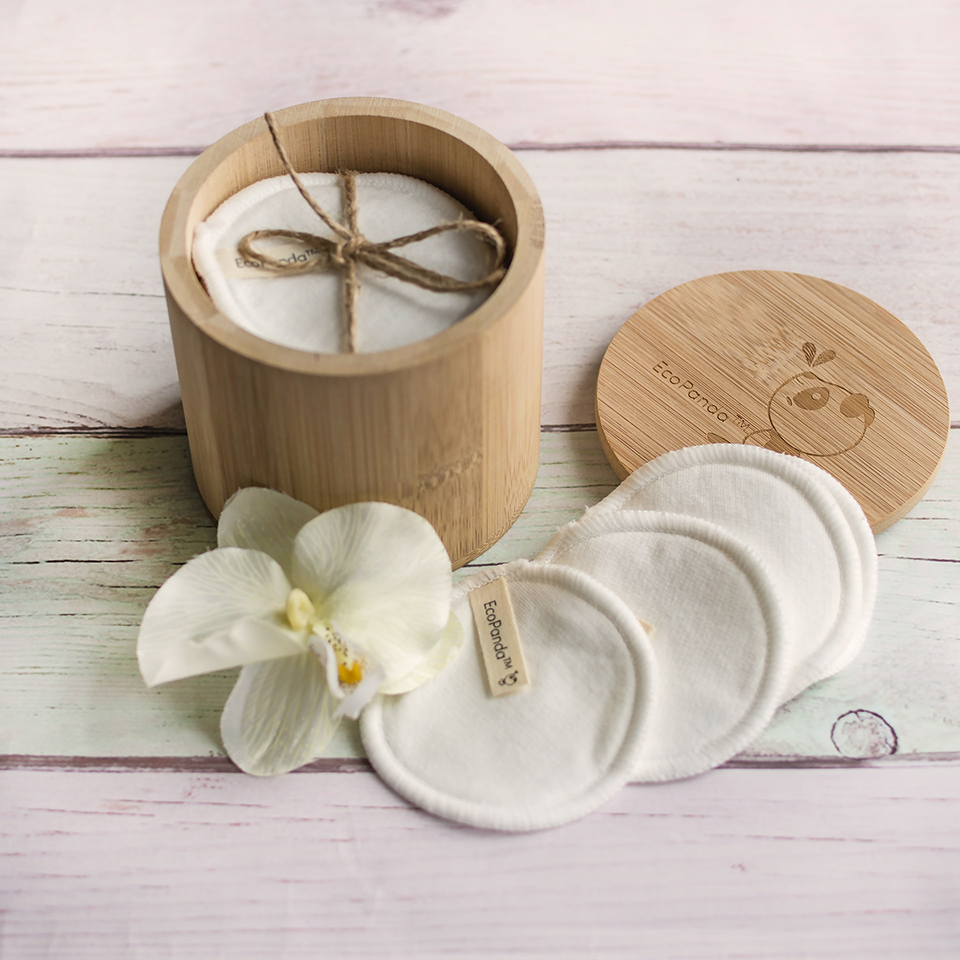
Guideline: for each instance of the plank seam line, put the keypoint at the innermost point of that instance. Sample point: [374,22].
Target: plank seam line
[79,764]
[112,433]
[136,433]
[523,145]
[737,147]
[81,293]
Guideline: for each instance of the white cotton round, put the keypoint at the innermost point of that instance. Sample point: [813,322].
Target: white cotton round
[810,534]
[845,650]
[541,756]
[305,310]
[714,623]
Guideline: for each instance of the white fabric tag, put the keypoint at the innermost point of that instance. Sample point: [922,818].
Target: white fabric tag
[549,753]
[499,638]
[813,540]
[305,311]
[717,631]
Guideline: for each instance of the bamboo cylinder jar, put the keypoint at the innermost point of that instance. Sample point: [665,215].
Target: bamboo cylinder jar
[448,427]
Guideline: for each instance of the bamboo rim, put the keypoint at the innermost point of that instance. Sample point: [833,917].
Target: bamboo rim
[184,210]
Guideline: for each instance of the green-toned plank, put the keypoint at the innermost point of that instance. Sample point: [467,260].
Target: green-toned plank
[573,475]
[90,527]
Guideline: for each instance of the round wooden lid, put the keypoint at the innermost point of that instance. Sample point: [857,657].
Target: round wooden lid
[784,361]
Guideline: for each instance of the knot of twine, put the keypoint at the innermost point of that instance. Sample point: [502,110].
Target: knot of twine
[351,247]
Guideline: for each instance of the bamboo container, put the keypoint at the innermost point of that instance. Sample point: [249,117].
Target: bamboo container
[448,427]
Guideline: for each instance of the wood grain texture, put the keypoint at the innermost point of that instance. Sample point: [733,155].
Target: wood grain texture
[447,426]
[538,71]
[778,865]
[623,226]
[92,526]
[748,357]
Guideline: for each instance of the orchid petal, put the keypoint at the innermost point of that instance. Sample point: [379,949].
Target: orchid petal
[382,575]
[322,649]
[278,716]
[257,518]
[222,609]
[441,656]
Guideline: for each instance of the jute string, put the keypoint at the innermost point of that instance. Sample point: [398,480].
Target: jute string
[351,247]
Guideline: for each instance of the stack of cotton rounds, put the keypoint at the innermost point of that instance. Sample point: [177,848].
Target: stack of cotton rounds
[660,632]
[305,310]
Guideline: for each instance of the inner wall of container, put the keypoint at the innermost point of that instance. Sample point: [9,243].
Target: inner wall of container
[366,144]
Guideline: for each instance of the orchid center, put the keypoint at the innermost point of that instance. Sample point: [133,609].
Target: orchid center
[349,667]
[302,615]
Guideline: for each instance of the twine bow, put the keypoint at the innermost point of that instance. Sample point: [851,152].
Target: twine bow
[350,247]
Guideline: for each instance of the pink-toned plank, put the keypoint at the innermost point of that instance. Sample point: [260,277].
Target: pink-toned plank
[79,277]
[102,74]
[771,864]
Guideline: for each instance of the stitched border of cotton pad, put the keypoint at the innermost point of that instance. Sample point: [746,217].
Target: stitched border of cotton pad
[525,817]
[769,691]
[858,590]
[866,548]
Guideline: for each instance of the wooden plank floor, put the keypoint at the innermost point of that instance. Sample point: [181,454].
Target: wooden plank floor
[668,141]
[93,525]
[211,865]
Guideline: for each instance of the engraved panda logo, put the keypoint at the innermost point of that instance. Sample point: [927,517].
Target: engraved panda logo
[812,416]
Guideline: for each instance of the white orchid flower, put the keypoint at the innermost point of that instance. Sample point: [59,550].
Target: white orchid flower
[322,611]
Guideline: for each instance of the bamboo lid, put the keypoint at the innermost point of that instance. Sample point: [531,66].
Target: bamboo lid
[785,361]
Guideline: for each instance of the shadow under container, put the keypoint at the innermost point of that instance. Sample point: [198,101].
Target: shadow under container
[448,427]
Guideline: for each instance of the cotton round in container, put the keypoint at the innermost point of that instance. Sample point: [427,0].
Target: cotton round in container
[305,310]
[541,756]
[714,623]
[821,555]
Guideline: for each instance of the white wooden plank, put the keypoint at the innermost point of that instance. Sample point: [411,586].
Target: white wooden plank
[90,527]
[79,276]
[751,864]
[625,226]
[101,74]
